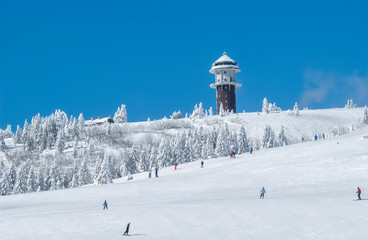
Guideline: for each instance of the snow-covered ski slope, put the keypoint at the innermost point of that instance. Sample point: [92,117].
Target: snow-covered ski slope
[331,122]
[310,191]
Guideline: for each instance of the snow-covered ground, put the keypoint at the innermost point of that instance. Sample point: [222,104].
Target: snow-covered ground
[310,195]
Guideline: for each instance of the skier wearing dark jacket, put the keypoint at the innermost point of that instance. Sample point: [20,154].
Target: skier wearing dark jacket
[127,229]
[105,205]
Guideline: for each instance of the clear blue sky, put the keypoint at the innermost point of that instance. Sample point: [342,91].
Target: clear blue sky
[154,56]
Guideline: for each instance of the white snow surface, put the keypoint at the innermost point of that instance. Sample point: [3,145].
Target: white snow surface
[310,195]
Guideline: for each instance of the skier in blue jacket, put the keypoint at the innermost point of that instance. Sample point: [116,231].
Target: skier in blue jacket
[263,191]
[105,205]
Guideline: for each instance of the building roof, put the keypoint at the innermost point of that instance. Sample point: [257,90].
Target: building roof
[224,59]
[224,62]
[98,121]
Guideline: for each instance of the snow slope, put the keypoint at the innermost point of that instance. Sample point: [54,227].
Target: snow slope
[310,190]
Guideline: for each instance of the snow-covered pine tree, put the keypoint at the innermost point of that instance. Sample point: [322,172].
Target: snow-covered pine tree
[31,180]
[5,188]
[97,171]
[350,104]
[74,174]
[152,158]
[222,110]
[296,109]
[214,135]
[60,142]
[233,137]
[176,115]
[143,164]
[104,176]
[163,154]
[28,144]
[3,146]
[12,177]
[8,132]
[243,141]
[84,174]
[40,181]
[18,135]
[204,152]
[47,179]
[222,145]
[268,140]
[282,138]
[210,112]
[74,130]
[25,131]
[197,112]
[197,142]
[54,177]
[75,181]
[178,148]
[132,161]
[81,124]
[65,178]
[21,182]
[42,140]
[121,115]
[209,147]
[188,151]
[265,108]
[75,147]
[365,116]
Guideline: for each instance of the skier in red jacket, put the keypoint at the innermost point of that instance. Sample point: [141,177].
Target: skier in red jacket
[359,192]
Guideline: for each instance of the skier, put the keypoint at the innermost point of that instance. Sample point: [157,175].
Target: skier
[263,191]
[156,171]
[315,137]
[251,150]
[202,163]
[150,173]
[323,135]
[176,164]
[127,230]
[105,205]
[359,192]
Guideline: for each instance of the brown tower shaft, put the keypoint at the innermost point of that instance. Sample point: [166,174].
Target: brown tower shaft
[226,96]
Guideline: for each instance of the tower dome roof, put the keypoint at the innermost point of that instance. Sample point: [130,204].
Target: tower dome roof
[224,62]
[224,59]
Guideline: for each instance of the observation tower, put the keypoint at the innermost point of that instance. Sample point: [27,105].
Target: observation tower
[224,69]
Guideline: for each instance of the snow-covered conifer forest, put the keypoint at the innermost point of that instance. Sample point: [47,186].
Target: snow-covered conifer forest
[60,151]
